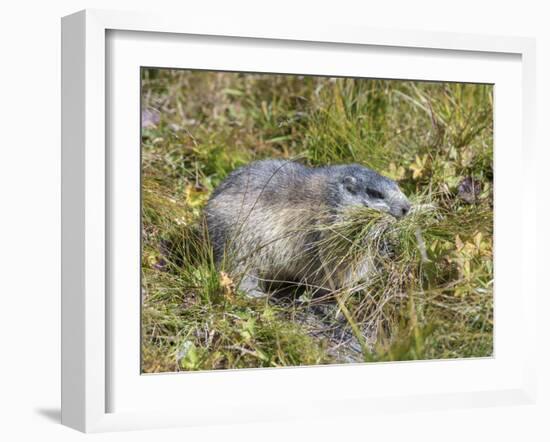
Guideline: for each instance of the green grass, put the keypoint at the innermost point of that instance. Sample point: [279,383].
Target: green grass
[431,296]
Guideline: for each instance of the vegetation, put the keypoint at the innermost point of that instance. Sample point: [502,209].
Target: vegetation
[432,293]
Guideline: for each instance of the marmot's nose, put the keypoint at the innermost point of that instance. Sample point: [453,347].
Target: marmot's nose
[402,209]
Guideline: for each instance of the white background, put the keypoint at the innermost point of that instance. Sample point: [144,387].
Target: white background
[30,214]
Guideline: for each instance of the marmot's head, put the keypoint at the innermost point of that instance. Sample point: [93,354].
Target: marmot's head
[360,186]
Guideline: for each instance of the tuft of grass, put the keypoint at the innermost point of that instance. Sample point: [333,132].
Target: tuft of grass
[419,270]
[430,294]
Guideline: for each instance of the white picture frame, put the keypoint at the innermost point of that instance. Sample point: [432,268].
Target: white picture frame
[87,212]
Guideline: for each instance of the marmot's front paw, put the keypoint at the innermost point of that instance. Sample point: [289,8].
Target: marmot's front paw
[255,293]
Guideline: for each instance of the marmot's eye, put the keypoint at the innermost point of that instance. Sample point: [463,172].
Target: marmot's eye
[373,193]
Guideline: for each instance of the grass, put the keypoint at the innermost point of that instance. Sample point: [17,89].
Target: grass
[431,295]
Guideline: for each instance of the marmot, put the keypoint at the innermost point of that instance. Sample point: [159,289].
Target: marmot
[261,221]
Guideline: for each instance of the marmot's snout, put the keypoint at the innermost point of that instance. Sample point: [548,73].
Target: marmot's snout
[401,207]
[363,186]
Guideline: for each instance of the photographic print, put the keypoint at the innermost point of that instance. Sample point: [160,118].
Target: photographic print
[297,220]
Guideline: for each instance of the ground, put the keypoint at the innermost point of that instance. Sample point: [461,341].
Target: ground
[433,299]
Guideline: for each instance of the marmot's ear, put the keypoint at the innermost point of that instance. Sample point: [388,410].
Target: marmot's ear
[350,183]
